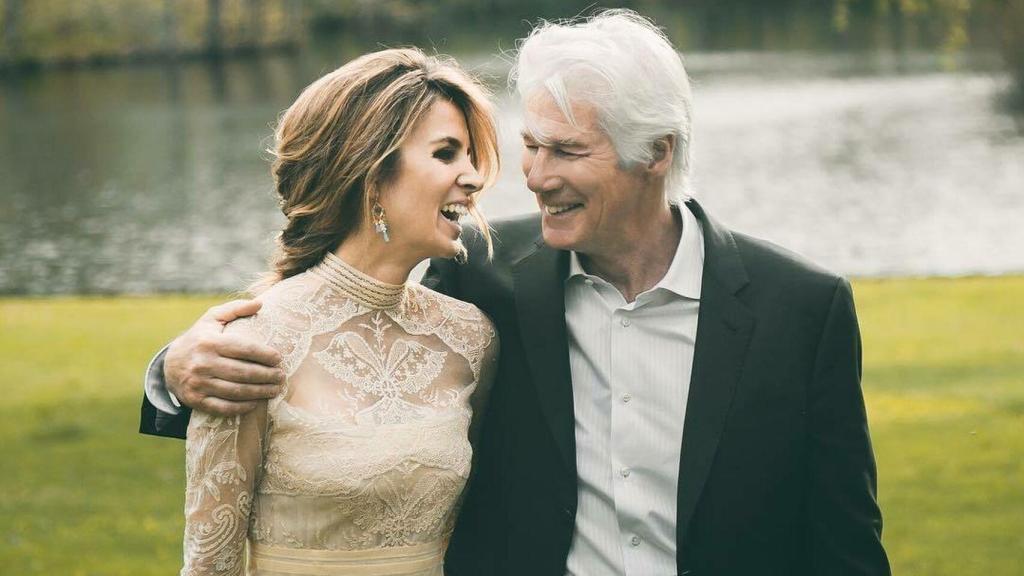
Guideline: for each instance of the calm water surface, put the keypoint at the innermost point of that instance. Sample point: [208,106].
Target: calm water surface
[135,180]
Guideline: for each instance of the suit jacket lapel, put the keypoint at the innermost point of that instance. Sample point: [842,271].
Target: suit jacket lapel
[723,334]
[540,304]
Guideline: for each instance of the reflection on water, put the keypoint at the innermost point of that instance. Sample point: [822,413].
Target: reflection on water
[156,179]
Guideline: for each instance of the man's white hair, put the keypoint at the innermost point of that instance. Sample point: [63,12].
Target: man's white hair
[623,65]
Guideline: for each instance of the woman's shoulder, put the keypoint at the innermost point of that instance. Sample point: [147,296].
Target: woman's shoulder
[292,290]
[304,300]
[292,310]
[442,306]
[460,325]
[463,325]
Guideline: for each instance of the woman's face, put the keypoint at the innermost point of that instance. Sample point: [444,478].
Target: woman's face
[431,189]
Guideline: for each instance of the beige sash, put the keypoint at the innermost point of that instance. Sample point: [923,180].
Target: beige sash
[419,560]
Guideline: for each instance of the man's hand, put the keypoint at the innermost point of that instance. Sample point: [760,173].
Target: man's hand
[223,374]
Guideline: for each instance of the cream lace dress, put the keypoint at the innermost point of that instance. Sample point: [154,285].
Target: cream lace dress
[357,467]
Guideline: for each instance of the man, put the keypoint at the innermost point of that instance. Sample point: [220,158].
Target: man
[672,397]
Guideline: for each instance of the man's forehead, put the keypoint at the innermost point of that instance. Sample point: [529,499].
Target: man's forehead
[545,121]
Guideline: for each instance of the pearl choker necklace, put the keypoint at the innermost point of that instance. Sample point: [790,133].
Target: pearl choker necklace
[363,288]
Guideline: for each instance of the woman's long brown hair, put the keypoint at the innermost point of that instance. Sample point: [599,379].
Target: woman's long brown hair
[338,144]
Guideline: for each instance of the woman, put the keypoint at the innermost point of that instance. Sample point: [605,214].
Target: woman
[356,467]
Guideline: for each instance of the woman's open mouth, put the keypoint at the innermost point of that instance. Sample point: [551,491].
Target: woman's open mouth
[454,211]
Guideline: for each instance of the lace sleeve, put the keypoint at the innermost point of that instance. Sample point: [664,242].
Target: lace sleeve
[223,459]
[482,395]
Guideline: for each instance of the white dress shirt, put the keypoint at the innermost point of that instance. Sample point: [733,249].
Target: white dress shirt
[631,365]
[156,389]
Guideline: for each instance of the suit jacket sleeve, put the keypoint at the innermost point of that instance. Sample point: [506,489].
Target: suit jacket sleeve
[845,524]
[153,420]
[478,542]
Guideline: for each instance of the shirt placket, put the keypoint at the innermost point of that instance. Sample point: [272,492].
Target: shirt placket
[626,447]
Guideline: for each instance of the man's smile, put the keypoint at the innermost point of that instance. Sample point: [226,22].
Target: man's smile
[558,209]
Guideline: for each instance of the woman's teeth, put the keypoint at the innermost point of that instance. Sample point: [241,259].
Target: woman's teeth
[554,210]
[454,211]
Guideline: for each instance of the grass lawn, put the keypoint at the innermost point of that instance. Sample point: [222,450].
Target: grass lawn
[82,493]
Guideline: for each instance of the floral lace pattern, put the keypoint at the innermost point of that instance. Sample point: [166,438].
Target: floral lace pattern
[367,445]
[386,372]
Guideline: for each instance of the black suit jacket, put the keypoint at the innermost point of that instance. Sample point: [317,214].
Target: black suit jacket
[776,476]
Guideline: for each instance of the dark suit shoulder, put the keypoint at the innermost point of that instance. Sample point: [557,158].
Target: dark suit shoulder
[511,237]
[763,256]
[783,276]
[523,224]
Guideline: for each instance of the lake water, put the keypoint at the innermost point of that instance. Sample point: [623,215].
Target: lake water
[154,179]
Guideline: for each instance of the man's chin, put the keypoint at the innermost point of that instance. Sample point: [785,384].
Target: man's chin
[559,239]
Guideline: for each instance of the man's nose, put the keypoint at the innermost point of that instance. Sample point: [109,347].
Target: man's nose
[539,176]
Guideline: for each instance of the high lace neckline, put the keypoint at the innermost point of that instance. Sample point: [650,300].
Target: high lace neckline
[361,287]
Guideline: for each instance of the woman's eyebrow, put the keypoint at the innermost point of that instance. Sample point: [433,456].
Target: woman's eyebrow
[450,140]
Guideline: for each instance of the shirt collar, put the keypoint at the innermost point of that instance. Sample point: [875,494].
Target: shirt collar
[686,271]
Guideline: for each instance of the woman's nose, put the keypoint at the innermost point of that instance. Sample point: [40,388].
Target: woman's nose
[470,180]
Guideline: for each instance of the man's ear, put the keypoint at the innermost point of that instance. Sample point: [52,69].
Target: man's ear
[663,150]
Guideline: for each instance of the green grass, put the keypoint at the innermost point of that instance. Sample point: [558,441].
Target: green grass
[82,493]
[944,381]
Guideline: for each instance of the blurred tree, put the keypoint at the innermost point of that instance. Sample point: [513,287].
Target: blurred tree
[63,31]
[12,28]
[946,19]
[170,29]
[1011,42]
[255,31]
[950,19]
[294,11]
[214,29]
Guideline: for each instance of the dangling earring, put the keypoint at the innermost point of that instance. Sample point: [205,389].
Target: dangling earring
[380,223]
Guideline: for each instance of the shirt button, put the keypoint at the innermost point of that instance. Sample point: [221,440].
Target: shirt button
[624,472]
[625,322]
[626,398]
[635,540]
[588,282]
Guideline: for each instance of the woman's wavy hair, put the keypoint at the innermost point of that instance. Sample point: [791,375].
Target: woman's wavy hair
[338,144]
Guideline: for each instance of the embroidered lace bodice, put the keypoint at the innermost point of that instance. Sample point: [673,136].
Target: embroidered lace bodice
[366,449]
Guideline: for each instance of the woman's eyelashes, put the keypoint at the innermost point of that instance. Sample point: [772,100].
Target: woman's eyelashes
[446,154]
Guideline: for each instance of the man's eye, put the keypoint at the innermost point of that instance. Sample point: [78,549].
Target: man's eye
[530,147]
[565,153]
[445,154]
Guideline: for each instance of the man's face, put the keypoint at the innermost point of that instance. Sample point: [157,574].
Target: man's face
[588,202]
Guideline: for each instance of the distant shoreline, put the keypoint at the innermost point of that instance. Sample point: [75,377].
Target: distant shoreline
[146,58]
[16,297]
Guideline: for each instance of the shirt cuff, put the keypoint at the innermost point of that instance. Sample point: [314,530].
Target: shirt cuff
[156,388]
